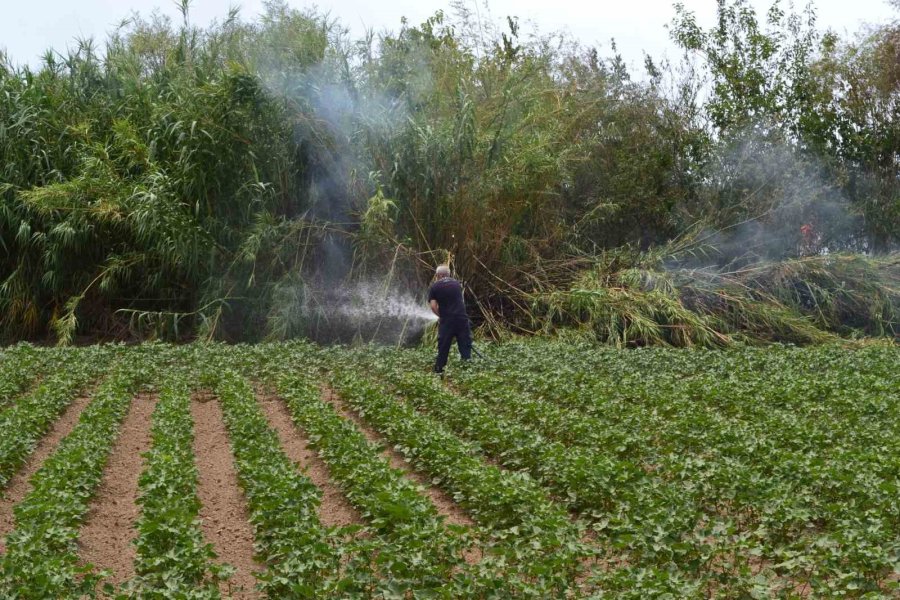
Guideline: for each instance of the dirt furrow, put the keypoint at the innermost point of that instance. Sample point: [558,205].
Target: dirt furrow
[335,509]
[105,540]
[20,485]
[442,501]
[223,512]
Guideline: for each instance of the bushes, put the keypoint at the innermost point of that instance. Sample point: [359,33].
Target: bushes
[184,182]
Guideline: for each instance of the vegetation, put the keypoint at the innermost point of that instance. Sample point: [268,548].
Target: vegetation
[803,300]
[172,558]
[31,416]
[299,554]
[41,558]
[587,472]
[755,445]
[539,548]
[20,367]
[181,182]
[405,521]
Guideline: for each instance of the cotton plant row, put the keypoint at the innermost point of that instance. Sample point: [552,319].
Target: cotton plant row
[42,559]
[301,557]
[25,423]
[529,541]
[405,547]
[797,447]
[788,451]
[647,522]
[19,367]
[414,551]
[173,560]
[486,391]
[417,552]
[645,525]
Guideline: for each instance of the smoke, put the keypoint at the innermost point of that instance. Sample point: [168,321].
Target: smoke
[328,300]
[773,202]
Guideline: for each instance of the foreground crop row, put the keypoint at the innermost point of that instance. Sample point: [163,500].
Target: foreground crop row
[581,473]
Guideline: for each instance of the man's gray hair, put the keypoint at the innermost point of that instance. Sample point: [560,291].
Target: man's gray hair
[442,271]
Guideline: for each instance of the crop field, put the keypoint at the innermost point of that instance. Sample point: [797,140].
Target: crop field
[547,470]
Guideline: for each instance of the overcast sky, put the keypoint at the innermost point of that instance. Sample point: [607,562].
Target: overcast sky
[29,27]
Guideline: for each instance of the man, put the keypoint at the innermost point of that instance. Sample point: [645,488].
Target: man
[446,300]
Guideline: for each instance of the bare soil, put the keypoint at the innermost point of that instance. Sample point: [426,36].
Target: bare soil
[335,509]
[106,537]
[223,512]
[454,514]
[20,484]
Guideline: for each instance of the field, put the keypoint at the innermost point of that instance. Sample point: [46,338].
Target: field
[547,470]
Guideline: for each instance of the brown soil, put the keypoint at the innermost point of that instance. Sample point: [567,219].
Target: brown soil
[335,509]
[592,564]
[106,537]
[223,512]
[20,484]
[444,504]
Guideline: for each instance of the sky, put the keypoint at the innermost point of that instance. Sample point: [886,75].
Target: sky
[28,28]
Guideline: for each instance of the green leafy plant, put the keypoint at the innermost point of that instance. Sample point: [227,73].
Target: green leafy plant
[302,558]
[22,425]
[41,559]
[172,557]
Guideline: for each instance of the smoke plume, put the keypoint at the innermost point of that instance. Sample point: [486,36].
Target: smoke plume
[331,299]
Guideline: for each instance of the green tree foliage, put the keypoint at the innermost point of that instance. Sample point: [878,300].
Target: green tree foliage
[186,181]
[790,103]
[759,73]
[147,179]
[857,125]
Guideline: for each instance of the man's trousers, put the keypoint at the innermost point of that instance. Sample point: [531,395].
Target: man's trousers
[448,329]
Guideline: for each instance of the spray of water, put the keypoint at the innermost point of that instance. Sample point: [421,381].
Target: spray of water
[343,312]
[367,302]
[369,312]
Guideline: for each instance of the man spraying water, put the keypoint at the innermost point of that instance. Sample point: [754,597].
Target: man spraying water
[446,300]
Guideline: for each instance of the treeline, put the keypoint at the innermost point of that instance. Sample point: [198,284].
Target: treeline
[183,182]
